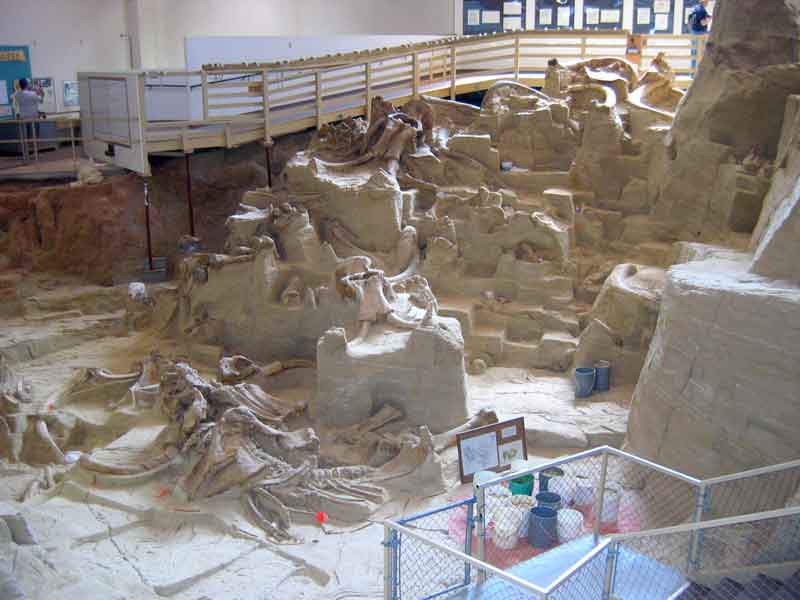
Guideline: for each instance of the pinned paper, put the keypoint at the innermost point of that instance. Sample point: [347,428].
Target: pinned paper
[512,23]
[491,17]
[3,92]
[643,16]
[473,18]
[564,16]
[661,6]
[545,16]
[662,22]
[592,16]
[610,16]
[512,8]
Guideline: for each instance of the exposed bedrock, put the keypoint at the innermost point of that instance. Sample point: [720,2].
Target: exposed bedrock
[718,392]
[734,107]
[420,372]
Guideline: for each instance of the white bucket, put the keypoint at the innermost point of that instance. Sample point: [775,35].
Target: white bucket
[564,487]
[496,496]
[523,504]
[507,523]
[610,510]
[584,494]
[570,525]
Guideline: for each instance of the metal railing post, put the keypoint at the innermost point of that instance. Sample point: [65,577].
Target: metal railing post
[599,498]
[480,494]
[516,57]
[204,89]
[368,90]
[388,562]
[611,570]
[265,101]
[701,506]
[468,542]
[34,133]
[72,144]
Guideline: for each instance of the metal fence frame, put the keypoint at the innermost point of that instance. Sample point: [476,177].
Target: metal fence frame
[695,529]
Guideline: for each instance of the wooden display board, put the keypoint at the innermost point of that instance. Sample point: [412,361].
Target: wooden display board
[491,448]
[603,14]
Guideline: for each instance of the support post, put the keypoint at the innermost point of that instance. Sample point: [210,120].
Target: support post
[516,57]
[72,143]
[611,570]
[268,161]
[318,81]
[147,225]
[701,501]
[35,134]
[204,85]
[480,494]
[189,195]
[599,497]
[452,72]
[368,90]
[415,69]
[265,100]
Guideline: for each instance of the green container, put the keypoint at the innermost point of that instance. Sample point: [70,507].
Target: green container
[522,486]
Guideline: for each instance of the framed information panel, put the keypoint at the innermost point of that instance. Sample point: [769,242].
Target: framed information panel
[602,14]
[491,448]
[555,14]
[493,16]
[653,16]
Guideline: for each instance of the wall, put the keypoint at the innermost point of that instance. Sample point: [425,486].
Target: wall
[67,36]
[165,25]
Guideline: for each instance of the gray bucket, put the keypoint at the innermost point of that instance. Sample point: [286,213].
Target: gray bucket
[543,528]
[584,381]
[548,500]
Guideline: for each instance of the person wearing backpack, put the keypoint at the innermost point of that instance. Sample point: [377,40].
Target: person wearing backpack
[699,18]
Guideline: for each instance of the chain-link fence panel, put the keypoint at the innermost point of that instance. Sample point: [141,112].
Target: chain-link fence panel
[652,567]
[564,499]
[645,498]
[758,493]
[750,544]
[423,569]
[586,583]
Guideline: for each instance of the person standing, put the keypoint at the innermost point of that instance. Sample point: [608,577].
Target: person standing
[27,102]
[699,18]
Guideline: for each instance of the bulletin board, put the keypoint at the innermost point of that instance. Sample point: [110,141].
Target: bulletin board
[555,14]
[602,14]
[654,16]
[491,448]
[15,63]
[493,16]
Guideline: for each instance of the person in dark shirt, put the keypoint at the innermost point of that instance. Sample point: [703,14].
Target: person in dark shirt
[699,18]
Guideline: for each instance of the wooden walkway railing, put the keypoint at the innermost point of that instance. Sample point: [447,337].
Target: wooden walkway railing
[235,104]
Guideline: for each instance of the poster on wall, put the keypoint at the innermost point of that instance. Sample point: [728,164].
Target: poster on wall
[662,22]
[71,99]
[555,14]
[564,16]
[545,16]
[603,14]
[4,99]
[491,17]
[473,17]
[610,16]
[643,16]
[512,23]
[592,16]
[45,88]
[512,8]
[653,16]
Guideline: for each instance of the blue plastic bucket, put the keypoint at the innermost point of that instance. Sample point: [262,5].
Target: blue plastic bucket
[602,381]
[543,527]
[548,500]
[584,381]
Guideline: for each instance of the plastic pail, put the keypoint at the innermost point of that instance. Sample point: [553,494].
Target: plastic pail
[548,500]
[602,381]
[522,486]
[570,524]
[546,475]
[584,381]
[543,527]
[610,506]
